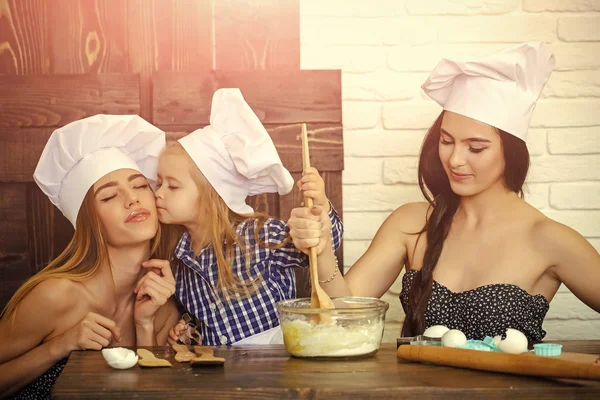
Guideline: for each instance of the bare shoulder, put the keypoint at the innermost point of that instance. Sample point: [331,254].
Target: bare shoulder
[56,294]
[42,310]
[410,217]
[549,231]
[402,224]
[554,238]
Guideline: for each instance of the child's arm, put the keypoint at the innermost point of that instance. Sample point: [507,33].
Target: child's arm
[337,228]
[185,331]
[312,185]
[278,247]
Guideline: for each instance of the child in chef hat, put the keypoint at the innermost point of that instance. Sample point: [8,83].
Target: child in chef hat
[233,264]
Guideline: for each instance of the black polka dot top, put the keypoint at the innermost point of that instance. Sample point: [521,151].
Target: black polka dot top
[41,388]
[484,311]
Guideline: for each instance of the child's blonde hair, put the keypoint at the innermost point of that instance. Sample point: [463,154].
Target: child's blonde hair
[222,224]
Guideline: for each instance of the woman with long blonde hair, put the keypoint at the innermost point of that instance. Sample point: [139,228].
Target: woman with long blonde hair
[103,289]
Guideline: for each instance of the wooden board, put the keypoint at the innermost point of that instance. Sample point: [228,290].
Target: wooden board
[257,34]
[326,144]
[87,36]
[51,101]
[20,151]
[14,258]
[24,46]
[168,35]
[49,231]
[301,96]
[325,140]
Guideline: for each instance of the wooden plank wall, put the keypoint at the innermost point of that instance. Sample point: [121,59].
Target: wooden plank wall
[62,60]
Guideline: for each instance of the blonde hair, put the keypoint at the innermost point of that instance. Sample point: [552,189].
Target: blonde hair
[222,224]
[82,257]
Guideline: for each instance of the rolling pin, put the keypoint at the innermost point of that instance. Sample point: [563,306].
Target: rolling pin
[523,364]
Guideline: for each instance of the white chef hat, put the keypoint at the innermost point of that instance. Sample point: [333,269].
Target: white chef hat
[80,153]
[236,154]
[500,90]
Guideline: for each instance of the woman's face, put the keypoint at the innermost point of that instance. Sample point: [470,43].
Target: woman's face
[126,208]
[471,153]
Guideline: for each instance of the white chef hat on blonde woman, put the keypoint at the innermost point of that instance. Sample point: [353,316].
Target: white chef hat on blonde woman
[500,90]
[80,153]
[236,154]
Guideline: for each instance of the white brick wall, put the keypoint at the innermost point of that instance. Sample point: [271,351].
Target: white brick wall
[386,49]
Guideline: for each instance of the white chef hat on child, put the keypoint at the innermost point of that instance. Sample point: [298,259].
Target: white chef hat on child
[80,153]
[500,90]
[236,154]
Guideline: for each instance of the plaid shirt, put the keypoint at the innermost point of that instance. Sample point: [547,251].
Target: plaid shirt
[226,319]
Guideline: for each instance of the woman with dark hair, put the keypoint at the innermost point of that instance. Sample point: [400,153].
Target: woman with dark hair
[478,258]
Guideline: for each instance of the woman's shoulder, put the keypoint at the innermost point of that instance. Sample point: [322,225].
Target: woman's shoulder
[546,234]
[49,303]
[549,232]
[57,294]
[411,216]
[404,224]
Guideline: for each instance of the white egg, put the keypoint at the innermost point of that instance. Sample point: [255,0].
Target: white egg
[454,338]
[515,342]
[435,331]
[497,340]
[119,357]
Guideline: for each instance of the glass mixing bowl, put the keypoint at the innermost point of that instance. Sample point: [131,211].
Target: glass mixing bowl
[353,328]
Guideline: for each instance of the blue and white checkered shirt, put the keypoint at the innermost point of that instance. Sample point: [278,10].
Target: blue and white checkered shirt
[227,319]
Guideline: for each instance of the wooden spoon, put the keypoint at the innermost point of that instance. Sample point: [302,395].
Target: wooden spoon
[318,297]
[205,357]
[147,359]
[183,353]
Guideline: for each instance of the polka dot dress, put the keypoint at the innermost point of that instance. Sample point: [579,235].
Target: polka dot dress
[41,388]
[484,311]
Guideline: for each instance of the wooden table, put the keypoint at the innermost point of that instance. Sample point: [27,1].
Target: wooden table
[260,372]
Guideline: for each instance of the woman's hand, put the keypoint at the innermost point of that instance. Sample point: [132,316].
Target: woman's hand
[93,332]
[310,228]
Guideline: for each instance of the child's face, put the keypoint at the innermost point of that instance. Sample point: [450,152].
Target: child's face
[177,195]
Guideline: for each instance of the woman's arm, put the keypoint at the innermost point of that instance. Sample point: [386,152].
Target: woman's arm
[375,272]
[154,291]
[166,318]
[573,260]
[25,352]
